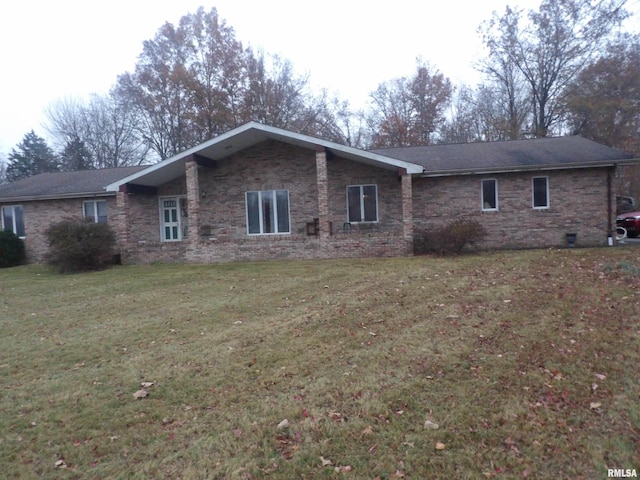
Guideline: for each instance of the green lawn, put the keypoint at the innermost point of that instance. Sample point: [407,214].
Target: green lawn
[526,362]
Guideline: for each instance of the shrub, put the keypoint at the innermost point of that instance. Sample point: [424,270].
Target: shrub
[449,239]
[77,246]
[12,251]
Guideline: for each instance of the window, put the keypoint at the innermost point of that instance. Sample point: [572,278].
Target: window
[13,219]
[489,194]
[95,210]
[362,203]
[173,224]
[540,192]
[268,212]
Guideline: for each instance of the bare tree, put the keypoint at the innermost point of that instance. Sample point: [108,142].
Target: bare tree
[549,50]
[104,126]
[463,124]
[275,95]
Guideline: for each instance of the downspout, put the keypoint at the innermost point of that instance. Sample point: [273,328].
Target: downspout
[610,171]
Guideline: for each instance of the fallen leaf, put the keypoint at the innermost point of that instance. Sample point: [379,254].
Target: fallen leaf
[595,405]
[147,384]
[431,425]
[599,376]
[140,393]
[440,446]
[60,464]
[326,462]
[283,424]
[368,430]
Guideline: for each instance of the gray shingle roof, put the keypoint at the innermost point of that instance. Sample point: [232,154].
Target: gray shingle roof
[513,155]
[64,184]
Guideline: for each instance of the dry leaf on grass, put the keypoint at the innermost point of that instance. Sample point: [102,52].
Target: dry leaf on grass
[368,431]
[440,446]
[326,462]
[431,425]
[142,393]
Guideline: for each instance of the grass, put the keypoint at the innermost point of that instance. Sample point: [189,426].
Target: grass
[526,361]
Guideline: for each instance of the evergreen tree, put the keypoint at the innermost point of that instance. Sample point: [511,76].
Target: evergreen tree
[76,156]
[33,156]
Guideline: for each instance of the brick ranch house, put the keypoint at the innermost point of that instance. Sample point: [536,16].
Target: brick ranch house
[259,192]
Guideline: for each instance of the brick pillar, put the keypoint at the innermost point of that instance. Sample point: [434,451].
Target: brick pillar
[193,200]
[323,192]
[122,222]
[407,210]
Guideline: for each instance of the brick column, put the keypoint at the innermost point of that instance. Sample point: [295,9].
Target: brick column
[323,192]
[193,200]
[407,210]
[122,222]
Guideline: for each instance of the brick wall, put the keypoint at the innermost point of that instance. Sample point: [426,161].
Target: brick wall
[39,215]
[578,204]
[222,235]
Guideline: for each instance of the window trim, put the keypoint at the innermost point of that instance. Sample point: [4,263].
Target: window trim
[482,202]
[533,193]
[179,201]
[274,199]
[96,217]
[362,209]
[13,226]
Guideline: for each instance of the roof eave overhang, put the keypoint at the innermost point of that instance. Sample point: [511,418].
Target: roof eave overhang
[247,136]
[530,168]
[62,196]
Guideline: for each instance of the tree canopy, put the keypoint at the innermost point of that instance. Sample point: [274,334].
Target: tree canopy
[32,156]
[546,72]
[547,50]
[407,110]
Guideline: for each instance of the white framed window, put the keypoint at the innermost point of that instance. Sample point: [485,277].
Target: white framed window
[268,212]
[540,192]
[96,210]
[489,194]
[173,211]
[13,219]
[362,203]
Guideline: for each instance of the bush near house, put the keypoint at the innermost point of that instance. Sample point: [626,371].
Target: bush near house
[77,246]
[12,251]
[449,239]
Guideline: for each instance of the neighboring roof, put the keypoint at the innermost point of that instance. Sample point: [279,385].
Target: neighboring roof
[247,136]
[81,183]
[512,155]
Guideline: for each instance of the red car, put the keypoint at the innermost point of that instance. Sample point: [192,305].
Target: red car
[630,222]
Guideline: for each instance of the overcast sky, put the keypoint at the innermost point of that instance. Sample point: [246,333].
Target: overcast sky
[51,49]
